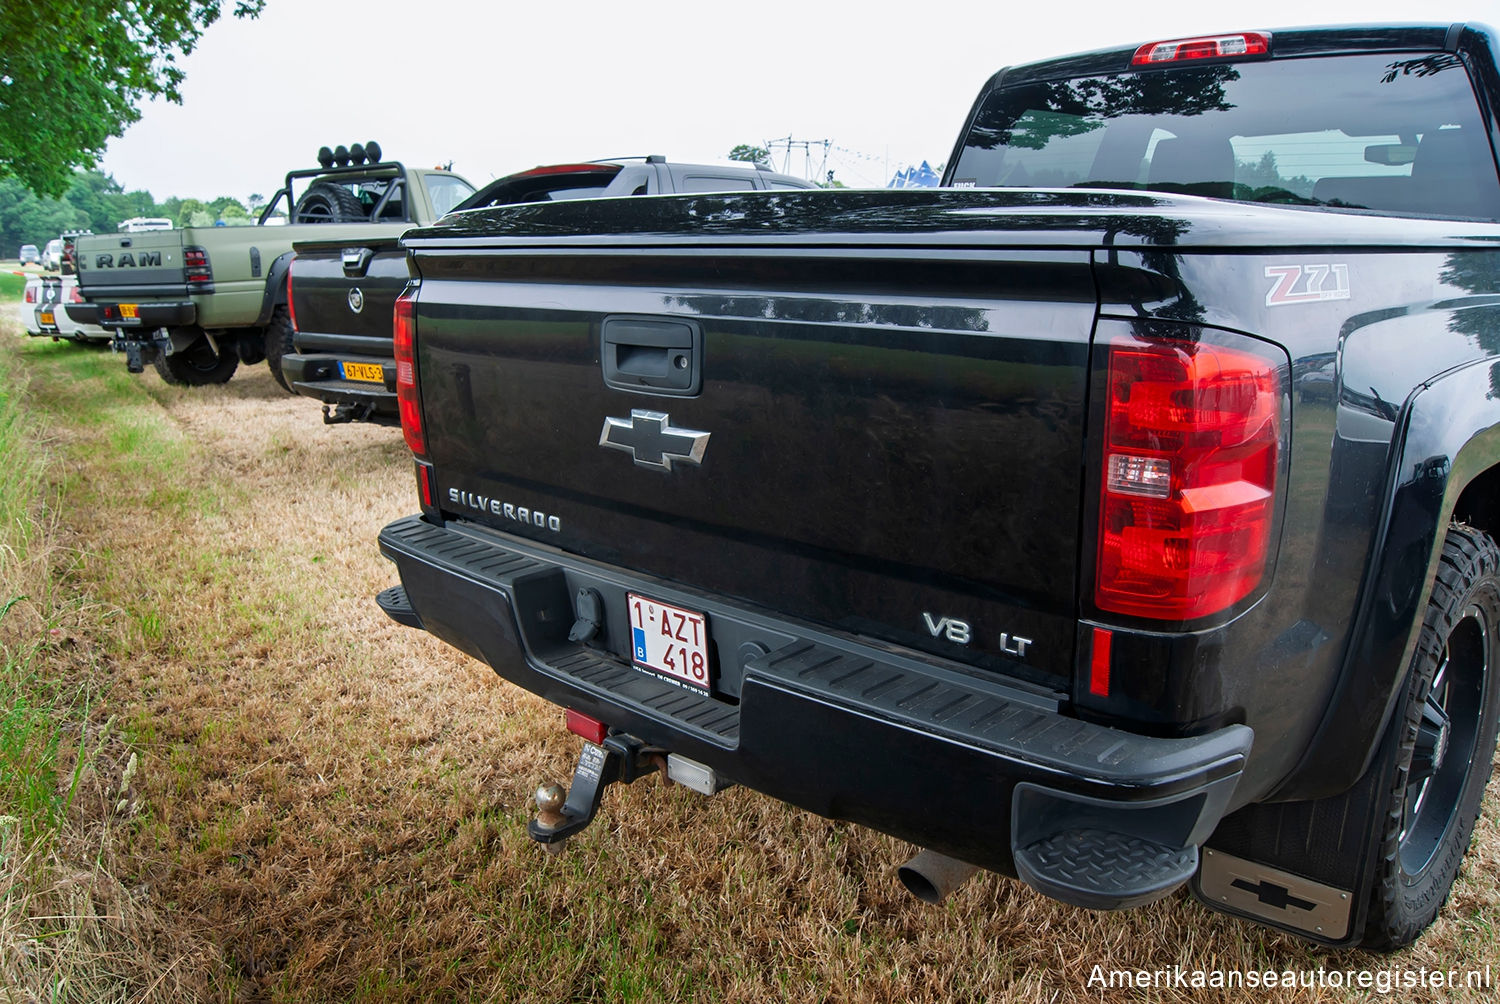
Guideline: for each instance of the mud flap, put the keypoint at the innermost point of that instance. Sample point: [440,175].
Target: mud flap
[1305,867]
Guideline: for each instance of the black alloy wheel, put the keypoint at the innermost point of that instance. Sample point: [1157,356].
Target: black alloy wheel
[1444,739]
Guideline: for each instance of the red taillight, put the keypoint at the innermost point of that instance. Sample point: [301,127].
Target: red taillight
[1193,434]
[75,295]
[403,330]
[1240,45]
[195,265]
[291,305]
[30,294]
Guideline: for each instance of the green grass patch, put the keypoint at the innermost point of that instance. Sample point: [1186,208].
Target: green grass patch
[11,285]
[50,752]
[31,735]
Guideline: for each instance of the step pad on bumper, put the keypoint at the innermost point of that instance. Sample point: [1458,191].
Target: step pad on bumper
[613,677]
[398,607]
[1103,870]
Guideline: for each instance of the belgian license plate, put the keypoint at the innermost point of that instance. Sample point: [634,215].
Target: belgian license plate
[367,372]
[48,318]
[669,640]
[130,311]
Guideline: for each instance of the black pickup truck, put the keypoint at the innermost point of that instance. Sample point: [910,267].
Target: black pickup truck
[1119,517]
[341,292]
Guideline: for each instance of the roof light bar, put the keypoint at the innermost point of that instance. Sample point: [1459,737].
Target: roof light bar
[1238,46]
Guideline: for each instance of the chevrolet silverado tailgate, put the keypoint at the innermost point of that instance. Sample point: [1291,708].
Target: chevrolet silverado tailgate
[884,438]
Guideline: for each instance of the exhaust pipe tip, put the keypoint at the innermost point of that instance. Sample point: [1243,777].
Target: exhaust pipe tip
[933,877]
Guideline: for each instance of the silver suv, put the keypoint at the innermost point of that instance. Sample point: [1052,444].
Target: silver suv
[603,179]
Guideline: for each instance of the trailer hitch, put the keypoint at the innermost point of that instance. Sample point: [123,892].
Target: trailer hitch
[135,361]
[346,412]
[560,813]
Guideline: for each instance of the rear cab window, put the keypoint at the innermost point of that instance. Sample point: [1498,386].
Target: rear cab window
[714,183]
[1388,132]
[445,192]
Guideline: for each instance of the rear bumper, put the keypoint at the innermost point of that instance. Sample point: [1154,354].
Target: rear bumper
[150,315]
[984,770]
[318,375]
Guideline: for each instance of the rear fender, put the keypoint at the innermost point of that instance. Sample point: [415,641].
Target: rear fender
[275,293]
[1449,435]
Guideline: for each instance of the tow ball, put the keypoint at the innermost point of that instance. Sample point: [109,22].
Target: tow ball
[560,813]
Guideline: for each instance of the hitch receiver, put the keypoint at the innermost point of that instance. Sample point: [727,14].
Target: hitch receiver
[346,412]
[621,758]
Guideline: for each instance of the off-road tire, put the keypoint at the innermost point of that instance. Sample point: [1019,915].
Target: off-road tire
[326,202]
[1425,826]
[198,366]
[279,335]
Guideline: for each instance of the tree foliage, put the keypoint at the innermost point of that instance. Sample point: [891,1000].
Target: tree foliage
[751,154]
[74,74]
[96,202]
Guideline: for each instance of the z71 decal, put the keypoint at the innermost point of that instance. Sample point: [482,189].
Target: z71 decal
[1306,284]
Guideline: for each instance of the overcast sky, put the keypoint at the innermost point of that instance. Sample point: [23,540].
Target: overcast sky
[498,87]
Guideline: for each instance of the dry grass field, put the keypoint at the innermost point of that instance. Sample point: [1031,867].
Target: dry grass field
[265,791]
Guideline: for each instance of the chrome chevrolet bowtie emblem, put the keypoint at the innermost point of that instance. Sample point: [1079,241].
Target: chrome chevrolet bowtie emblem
[651,440]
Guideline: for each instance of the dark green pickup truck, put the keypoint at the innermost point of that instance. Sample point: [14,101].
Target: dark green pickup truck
[198,301]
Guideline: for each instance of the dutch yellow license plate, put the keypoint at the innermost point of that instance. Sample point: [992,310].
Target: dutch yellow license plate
[48,317]
[367,372]
[131,311]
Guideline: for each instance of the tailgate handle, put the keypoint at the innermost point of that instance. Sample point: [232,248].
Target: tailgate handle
[650,355]
[356,261]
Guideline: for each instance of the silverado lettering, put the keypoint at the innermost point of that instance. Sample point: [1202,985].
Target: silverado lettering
[1248,568]
[521,514]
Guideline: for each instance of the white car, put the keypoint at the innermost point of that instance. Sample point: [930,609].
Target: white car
[52,255]
[42,314]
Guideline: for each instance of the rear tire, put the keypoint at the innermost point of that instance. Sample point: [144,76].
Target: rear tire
[198,366]
[1444,730]
[326,202]
[279,335]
